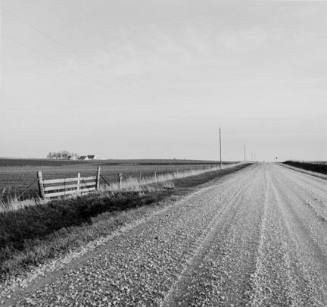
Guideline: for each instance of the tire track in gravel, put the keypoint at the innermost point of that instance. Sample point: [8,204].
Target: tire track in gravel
[310,183]
[140,265]
[215,276]
[257,278]
[296,199]
[316,184]
[304,292]
[315,200]
[273,281]
[317,207]
[201,248]
[307,241]
[277,279]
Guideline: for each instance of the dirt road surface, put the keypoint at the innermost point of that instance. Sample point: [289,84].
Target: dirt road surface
[254,238]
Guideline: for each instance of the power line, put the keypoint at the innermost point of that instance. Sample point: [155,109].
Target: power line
[26,47]
[53,60]
[44,34]
[53,40]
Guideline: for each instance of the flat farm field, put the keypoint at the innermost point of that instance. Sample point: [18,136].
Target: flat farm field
[16,175]
[313,166]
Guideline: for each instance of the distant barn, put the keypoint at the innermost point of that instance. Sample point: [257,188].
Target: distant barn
[88,157]
[73,157]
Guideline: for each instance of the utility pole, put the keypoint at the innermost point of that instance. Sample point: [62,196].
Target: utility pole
[244,151]
[220,147]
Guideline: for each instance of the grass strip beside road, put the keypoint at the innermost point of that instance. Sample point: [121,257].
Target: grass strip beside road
[33,235]
[309,166]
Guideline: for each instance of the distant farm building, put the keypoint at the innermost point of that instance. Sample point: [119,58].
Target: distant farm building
[88,157]
[73,157]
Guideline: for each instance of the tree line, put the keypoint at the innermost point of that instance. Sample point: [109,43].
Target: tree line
[64,154]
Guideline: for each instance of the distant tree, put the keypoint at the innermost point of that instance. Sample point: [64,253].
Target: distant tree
[50,155]
[64,154]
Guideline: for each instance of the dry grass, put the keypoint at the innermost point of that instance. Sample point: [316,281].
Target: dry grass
[35,233]
[135,184]
[14,204]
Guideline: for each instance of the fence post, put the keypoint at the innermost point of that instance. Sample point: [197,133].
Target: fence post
[78,182]
[120,181]
[98,179]
[40,184]
[155,177]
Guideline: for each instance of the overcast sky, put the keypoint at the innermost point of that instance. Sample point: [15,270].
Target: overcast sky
[156,79]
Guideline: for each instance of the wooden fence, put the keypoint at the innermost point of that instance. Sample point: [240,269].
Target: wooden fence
[54,188]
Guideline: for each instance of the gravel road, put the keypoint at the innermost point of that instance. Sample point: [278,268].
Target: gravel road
[254,238]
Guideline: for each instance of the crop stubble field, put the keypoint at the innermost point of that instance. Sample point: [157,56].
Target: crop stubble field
[17,174]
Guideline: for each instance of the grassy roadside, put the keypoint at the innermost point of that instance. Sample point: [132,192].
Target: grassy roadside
[33,235]
[309,166]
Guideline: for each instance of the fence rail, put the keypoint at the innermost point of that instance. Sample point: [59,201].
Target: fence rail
[53,188]
[51,181]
